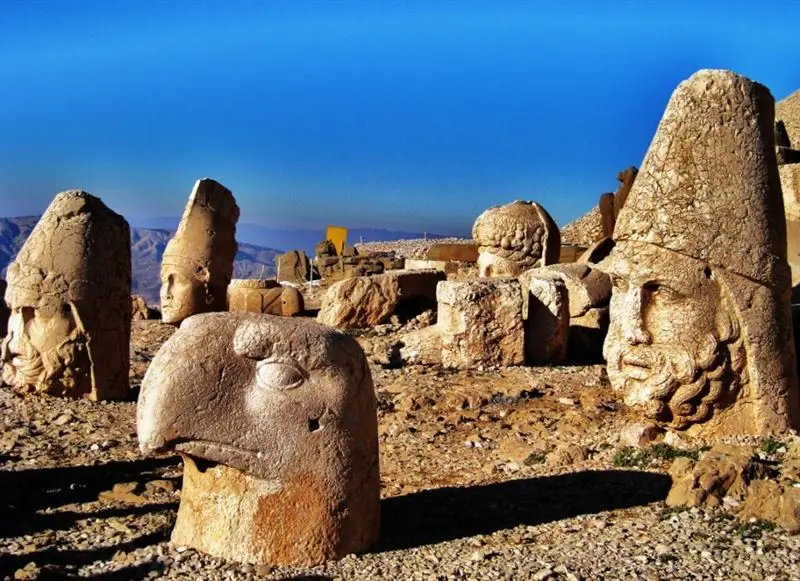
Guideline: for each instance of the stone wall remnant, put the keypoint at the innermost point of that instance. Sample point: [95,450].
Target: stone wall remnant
[69,291]
[293,266]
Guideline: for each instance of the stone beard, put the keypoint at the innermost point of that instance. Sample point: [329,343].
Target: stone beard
[674,344]
[60,369]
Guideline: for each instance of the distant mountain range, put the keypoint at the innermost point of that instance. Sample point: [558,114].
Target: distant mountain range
[300,239]
[255,259]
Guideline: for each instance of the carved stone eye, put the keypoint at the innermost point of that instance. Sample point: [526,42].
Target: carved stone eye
[279,375]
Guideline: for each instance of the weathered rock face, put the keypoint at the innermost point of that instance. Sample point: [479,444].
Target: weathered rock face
[545,310]
[700,333]
[722,471]
[372,300]
[264,296]
[453,252]
[140,311]
[514,238]
[198,262]
[773,501]
[788,112]
[4,311]
[587,294]
[480,322]
[69,293]
[293,266]
[285,412]
[790,186]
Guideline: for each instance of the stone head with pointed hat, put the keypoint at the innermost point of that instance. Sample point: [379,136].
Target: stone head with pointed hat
[198,262]
[69,294]
[700,332]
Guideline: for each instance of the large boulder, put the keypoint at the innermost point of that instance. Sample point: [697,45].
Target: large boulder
[480,322]
[366,301]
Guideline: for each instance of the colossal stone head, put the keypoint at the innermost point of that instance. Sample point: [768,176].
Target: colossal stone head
[69,294]
[700,332]
[198,261]
[514,238]
[286,408]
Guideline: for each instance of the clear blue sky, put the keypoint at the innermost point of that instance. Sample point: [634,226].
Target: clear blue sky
[413,115]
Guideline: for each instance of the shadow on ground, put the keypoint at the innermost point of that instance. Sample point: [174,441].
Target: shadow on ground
[444,514]
[28,493]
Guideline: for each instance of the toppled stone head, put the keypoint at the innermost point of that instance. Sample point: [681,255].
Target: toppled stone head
[69,294]
[286,408]
[198,262]
[700,331]
[514,238]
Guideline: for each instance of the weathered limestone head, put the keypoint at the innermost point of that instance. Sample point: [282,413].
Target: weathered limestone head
[514,238]
[198,261]
[289,404]
[700,331]
[69,293]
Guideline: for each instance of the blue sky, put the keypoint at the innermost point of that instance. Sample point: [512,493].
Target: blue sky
[413,115]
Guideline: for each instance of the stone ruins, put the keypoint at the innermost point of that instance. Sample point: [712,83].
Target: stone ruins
[282,417]
[198,262]
[69,291]
[515,237]
[700,333]
[264,296]
[4,312]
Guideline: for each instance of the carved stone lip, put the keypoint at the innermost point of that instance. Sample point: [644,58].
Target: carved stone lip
[227,454]
[632,360]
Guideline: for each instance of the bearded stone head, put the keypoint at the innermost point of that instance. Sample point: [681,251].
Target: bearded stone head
[700,331]
[673,343]
[69,295]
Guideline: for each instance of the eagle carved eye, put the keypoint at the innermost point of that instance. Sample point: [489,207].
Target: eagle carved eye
[279,374]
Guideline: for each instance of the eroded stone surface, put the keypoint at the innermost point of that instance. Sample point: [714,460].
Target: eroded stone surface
[545,309]
[198,261]
[700,333]
[140,310]
[453,252]
[264,296]
[293,266]
[4,311]
[722,471]
[69,293]
[514,238]
[371,300]
[480,322]
[285,412]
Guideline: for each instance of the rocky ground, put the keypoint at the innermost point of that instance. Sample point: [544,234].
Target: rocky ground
[510,474]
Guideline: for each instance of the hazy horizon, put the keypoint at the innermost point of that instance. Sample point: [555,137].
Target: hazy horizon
[398,116]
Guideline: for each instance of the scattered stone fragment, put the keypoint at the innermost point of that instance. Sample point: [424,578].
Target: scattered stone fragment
[724,470]
[292,266]
[264,296]
[480,322]
[369,301]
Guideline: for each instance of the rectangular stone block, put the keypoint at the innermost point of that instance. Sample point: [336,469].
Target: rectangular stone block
[447,267]
[457,252]
[546,320]
[480,322]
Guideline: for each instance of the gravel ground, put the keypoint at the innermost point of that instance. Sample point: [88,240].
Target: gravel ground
[494,474]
